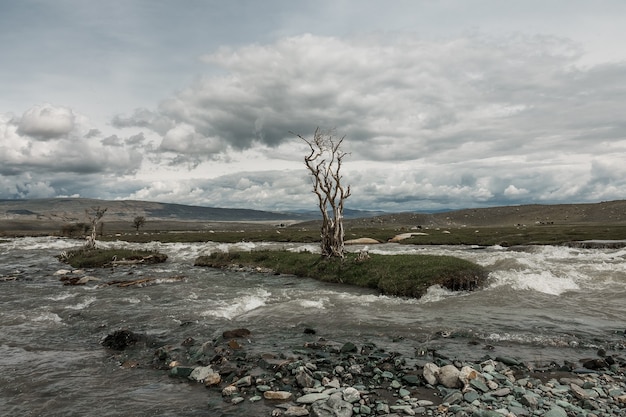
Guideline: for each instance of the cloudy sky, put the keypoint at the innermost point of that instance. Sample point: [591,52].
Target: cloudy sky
[443,103]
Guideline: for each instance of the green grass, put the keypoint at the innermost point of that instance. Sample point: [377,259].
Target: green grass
[95,258]
[400,275]
[484,236]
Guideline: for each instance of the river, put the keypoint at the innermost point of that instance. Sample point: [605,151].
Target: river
[541,304]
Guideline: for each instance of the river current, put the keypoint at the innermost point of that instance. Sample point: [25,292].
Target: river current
[541,304]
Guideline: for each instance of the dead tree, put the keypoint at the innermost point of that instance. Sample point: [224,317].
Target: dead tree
[324,164]
[94,215]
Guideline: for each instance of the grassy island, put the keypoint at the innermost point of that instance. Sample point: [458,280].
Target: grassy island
[95,258]
[399,275]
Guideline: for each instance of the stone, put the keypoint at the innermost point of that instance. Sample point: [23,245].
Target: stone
[120,339]
[508,361]
[530,401]
[479,385]
[411,379]
[555,412]
[502,392]
[304,379]
[236,333]
[403,393]
[246,381]
[351,395]
[453,397]
[295,411]
[466,374]
[430,373]
[200,373]
[448,376]
[229,391]
[277,395]
[181,371]
[405,409]
[237,400]
[348,347]
[471,396]
[311,398]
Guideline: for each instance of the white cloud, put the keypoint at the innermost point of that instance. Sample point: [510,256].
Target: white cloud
[47,121]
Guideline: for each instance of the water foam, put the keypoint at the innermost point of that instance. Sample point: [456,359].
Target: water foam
[541,281]
[48,317]
[239,305]
[80,306]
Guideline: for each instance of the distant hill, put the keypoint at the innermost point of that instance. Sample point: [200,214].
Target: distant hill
[30,216]
[609,212]
[70,210]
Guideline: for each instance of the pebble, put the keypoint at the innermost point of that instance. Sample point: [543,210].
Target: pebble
[327,381]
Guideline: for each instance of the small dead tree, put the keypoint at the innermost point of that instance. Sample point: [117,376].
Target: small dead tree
[94,215]
[138,222]
[324,164]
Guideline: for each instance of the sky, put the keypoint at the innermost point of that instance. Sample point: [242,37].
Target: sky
[442,104]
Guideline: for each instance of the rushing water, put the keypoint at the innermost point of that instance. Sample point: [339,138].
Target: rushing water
[540,304]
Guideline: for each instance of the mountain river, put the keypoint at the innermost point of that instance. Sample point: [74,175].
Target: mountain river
[541,304]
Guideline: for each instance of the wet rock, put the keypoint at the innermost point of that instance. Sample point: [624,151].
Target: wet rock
[120,339]
[295,411]
[311,398]
[236,333]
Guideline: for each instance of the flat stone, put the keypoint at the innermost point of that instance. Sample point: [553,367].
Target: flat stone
[479,385]
[277,395]
[555,412]
[295,411]
[454,397]
[311,398]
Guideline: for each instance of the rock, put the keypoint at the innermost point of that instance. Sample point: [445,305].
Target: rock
[303,378]
[237,400]
[334,407]
[295,411]
[351,395]
[411,379]
[430,373]
[233,334]
[212,379]
[362,241]
[479,385]
[508,361]
[311,398]
[246,381]
[229,391]
[530,401]
[84,280]
[555,412]
[348,347]
[466,374]
[120,339]
[448,376]
[453,397]
[200,373]
[277,395]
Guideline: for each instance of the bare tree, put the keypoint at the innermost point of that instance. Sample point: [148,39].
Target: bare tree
[324,164]
[138,222]
[94,215]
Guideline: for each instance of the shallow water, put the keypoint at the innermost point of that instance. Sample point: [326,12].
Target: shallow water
[541,304]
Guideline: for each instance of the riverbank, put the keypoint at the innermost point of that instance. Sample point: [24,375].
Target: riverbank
[324,378]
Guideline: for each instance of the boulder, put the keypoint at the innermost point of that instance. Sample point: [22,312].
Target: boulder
[448,376]
[361,241]
[430,373]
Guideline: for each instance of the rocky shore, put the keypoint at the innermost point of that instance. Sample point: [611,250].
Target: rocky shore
[323,378]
